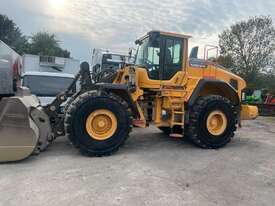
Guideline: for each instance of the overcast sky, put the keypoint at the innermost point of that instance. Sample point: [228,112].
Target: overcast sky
[85,24]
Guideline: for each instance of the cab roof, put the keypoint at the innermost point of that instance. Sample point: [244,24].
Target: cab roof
[183,36]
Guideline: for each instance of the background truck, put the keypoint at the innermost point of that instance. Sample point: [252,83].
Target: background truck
[104,59]
[50,64]
[10,69]
[47,76]
[21,132]
[46,85]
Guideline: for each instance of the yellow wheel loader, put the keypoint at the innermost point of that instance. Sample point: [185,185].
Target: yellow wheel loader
[184,97]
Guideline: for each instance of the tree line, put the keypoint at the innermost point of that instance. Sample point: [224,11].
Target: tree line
[41,43]
[248,49]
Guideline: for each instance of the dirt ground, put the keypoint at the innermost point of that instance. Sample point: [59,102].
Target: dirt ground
[151,169]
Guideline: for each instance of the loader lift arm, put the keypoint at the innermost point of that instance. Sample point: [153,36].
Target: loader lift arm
[53,109]
[99,82]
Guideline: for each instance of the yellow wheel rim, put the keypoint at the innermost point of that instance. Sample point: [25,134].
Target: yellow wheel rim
[216,122]
[101,124]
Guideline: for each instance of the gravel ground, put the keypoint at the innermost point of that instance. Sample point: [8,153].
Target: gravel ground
[151,169]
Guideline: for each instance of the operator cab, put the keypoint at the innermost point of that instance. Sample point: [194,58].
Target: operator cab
[163,54]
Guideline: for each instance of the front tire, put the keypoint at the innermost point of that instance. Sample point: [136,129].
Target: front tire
[97,125]
[212,122]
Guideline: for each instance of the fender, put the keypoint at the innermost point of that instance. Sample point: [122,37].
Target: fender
[120,90]
[222,88]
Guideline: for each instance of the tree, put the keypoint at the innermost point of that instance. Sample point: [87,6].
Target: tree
[251,45]
[11,35]
[226,61]
[43,43]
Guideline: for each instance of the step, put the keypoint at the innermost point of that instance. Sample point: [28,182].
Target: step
[176,135]
[178,112]
[178,123]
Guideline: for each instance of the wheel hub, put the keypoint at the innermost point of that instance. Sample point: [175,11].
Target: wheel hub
[101,124]
[216,122]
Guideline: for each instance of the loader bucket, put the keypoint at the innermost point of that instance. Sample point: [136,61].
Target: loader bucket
[20,134]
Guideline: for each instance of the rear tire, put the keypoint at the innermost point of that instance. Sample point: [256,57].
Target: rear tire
[199,131]
[78,114]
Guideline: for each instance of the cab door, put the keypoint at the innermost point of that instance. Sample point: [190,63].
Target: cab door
[172,56]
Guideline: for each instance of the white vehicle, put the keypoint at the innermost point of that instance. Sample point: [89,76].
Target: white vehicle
[103,59]
[47,76]
[50,64]
[46,85]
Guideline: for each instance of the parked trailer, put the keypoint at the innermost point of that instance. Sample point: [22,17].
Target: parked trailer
[10,69]
[20,112]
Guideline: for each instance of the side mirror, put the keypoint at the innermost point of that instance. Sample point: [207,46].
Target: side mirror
[130,52]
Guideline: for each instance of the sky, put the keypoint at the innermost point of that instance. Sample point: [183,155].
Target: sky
[82,25]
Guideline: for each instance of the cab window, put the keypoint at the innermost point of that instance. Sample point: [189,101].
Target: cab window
[153,55]
[148,56]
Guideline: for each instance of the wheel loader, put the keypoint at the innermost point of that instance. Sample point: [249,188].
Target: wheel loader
[184,97]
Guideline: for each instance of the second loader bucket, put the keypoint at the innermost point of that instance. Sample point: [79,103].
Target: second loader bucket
[21,120]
